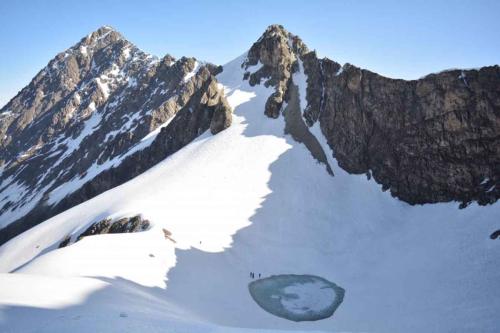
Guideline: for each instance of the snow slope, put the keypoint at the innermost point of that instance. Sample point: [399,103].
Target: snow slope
[252,199]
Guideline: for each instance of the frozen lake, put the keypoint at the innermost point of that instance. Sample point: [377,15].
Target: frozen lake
[297,297]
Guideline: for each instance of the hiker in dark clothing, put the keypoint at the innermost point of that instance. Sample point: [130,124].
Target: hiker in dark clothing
[259,275]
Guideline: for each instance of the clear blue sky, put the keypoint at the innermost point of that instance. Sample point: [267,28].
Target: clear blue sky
[404,39]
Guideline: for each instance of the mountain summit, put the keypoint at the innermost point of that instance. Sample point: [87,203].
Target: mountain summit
[95,106]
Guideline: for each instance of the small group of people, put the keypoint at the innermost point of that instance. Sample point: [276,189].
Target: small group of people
[252,275]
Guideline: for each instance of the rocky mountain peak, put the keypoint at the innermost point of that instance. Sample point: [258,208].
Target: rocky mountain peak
[105,33]
[102,30]
[91,108]
[279,33]
[103,37]
[72,85]
[274,45]
[274,31]
[271,60]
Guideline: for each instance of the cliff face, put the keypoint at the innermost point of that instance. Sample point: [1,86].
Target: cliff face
[435,139]
[430,140]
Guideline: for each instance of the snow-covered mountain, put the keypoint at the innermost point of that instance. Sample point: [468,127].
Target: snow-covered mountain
[96,106]
[201,204]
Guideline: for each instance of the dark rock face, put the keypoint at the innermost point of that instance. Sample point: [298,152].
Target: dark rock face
[98,102]
[430,140]
[120,226]
[277,51]
[107,226]
[435,139]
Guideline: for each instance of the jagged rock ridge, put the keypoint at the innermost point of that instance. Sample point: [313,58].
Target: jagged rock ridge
[95,106]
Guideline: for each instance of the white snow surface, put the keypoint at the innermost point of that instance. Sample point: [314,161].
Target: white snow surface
[252,199]
[300,79]
[312,296]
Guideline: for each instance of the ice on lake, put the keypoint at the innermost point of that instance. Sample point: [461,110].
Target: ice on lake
[297,297]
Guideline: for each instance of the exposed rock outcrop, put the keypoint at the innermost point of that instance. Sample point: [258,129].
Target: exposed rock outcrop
[430,140]
[435,139]
[122,225]
[277,52]
[108,226]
